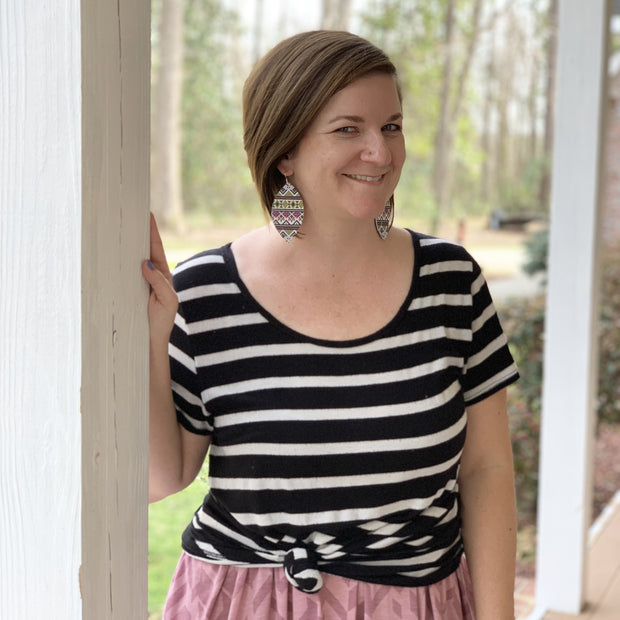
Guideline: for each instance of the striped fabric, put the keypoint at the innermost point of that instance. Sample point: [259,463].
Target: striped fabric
[335,457]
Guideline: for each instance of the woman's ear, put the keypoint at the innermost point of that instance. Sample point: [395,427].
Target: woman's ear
[285,166]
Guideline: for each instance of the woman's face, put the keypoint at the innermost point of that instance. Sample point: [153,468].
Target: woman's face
[349,161]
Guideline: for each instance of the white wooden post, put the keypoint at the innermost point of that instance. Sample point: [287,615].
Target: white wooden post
[74,102]
[115,181]
[40,202]
[568,412]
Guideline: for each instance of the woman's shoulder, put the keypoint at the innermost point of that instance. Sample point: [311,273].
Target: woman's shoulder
[216,265]
[202,268]
[436,249]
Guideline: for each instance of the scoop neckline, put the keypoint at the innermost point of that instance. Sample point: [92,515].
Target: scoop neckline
[231,265]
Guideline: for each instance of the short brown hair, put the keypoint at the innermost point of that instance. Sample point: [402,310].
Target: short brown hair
[289,86]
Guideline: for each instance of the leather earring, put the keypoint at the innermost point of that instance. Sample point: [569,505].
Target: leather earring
[287,211]
[384,222]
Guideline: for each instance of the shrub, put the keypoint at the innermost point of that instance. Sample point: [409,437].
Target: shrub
[536,248]
[523,321]
[609,333]
[609,322]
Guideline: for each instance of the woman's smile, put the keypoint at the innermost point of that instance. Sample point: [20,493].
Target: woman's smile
[359,177]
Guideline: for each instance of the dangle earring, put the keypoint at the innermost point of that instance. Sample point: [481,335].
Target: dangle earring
[287,211]
[384,222]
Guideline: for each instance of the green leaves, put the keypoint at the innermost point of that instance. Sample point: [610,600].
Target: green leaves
[215,175]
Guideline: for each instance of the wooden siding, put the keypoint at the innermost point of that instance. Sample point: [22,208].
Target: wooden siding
[40,313]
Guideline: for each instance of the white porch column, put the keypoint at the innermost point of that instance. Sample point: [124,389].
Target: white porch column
[115,188]
[40,316]
[74,92]
[569,393]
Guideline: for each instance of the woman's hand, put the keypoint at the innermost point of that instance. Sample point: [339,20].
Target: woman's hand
[163,300]
[167,473]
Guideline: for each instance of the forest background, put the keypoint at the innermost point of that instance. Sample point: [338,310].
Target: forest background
[478,103]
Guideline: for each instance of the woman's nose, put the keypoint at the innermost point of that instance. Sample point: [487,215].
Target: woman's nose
[376,150]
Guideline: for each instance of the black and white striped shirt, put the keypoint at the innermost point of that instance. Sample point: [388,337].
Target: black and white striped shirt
[341,456]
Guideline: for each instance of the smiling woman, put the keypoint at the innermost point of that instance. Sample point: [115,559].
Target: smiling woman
[349,160]
[347,380]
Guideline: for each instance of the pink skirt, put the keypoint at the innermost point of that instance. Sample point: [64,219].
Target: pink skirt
[204,591]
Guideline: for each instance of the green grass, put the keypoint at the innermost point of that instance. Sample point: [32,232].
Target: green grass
[167,520]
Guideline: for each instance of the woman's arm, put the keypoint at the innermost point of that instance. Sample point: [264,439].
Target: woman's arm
[175,455]
[486,483]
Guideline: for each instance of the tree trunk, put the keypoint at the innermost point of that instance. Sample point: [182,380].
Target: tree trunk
[545,185]
[532,111]
[336,14]
[257,35]
[443,137]
[502,147]
[469,56]
[450,110]
[486,142]
[166,190]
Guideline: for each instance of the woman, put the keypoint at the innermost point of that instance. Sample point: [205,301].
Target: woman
[348,378]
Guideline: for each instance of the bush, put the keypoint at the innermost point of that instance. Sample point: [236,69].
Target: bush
[608,409]
[609,333]
[536,249]
[523,321]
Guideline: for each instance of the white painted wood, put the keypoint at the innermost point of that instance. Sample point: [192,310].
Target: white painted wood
[74,157]
[572,307]
[40,199]
[115,177]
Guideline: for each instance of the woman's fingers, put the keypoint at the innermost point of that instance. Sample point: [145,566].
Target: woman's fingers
[163,300]
[158,255]
[163,303]
[160,285]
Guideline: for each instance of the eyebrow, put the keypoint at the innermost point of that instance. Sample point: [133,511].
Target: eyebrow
[359,119]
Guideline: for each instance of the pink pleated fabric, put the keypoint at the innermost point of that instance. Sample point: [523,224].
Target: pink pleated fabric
[203,591]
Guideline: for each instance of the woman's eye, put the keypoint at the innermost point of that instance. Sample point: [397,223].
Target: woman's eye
[346,130]
[392,127]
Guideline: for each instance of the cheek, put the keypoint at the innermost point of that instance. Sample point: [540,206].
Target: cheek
[399,154]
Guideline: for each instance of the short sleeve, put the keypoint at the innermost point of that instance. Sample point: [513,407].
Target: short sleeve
[190,410]
[489,366]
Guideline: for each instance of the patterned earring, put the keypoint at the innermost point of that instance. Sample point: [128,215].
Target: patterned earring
[384,222]
[287,211]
